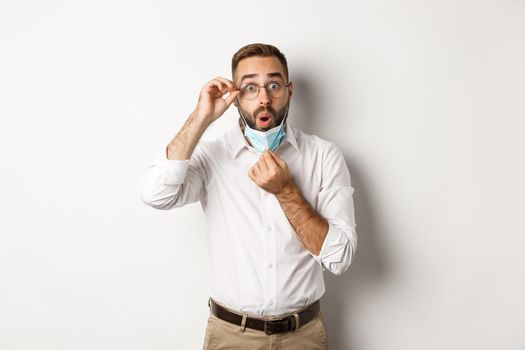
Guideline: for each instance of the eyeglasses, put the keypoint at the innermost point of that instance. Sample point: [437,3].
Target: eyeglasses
[275,89]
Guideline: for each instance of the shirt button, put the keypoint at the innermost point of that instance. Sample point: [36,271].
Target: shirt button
[268,228]
[270,265]
[270,303]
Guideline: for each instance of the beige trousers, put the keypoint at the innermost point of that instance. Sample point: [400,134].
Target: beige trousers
[222,335]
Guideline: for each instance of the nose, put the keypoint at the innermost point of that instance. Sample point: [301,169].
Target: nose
[264,97]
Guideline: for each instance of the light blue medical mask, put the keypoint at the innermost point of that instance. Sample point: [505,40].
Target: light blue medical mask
[263,140]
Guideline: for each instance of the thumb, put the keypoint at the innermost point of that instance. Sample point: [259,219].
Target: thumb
[231,97]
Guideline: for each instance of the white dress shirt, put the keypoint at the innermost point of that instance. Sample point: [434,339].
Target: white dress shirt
[258,264]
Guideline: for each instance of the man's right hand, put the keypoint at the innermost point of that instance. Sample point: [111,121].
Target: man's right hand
[211,104]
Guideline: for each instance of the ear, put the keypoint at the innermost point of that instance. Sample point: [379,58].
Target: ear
[290,90]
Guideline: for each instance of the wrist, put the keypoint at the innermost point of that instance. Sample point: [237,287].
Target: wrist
[204,116]
[200,118]
[287,191]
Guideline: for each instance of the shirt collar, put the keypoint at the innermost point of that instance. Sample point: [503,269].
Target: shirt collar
[239,142]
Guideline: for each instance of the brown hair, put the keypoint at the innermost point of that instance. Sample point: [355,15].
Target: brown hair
[258,49]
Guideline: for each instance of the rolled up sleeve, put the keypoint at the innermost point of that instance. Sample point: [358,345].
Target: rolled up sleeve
[335,204]
[338,250]
[173,183]
[173,172]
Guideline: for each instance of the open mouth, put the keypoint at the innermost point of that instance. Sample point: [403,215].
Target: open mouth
[264,119]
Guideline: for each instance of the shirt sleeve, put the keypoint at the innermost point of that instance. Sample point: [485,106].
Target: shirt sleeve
[173,183]
[335,204]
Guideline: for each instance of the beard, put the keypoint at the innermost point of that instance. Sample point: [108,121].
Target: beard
[277,116]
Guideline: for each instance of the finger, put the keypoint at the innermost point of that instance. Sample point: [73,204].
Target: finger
[251,173]
[231,97]
[259,168]
[218,89]
[225,87]
[255,169]
[214,87]
[220,85]
[262,164]
[226,82]
[272,164]
[277,159]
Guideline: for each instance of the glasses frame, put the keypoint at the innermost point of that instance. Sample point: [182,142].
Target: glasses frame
[265,86]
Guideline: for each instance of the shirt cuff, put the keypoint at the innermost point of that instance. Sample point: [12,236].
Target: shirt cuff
[172,171]
[332,250]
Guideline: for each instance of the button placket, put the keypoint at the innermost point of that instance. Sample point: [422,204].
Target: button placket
[271,271]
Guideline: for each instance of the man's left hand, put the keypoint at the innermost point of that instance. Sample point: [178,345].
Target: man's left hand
[271,173]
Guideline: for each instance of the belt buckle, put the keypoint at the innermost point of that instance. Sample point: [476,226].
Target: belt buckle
[267,324]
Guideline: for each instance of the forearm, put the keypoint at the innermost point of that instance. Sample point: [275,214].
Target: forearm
[183,144]
[309,225]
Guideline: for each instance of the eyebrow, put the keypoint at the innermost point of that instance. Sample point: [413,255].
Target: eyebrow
[269,75]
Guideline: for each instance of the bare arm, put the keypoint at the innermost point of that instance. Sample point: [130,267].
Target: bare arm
[271,174]
[309,225]
[183,144]
[211,105]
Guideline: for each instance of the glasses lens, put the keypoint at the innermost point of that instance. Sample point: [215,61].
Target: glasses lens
[249,91]
[275,89]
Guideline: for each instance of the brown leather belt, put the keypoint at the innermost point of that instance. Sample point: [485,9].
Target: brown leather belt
[281,325]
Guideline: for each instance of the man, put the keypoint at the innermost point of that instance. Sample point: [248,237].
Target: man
[278,205]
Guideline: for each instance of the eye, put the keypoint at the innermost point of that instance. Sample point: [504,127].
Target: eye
[274,85]
[250,88]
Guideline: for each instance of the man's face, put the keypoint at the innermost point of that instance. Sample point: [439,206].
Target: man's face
[263,112]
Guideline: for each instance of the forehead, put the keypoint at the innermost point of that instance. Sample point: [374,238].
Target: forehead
[261,67]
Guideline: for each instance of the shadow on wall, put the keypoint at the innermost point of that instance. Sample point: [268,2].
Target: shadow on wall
[370,266]
[368,269]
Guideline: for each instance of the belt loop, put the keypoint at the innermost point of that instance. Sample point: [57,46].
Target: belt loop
[243,323]
[297,324]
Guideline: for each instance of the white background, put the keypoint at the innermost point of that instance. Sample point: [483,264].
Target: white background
[425,99]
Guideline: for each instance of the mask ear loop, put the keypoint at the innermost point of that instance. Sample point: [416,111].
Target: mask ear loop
[287,109]
[286,114]
[240,112]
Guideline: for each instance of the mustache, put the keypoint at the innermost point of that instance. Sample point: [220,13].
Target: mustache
[267,109]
